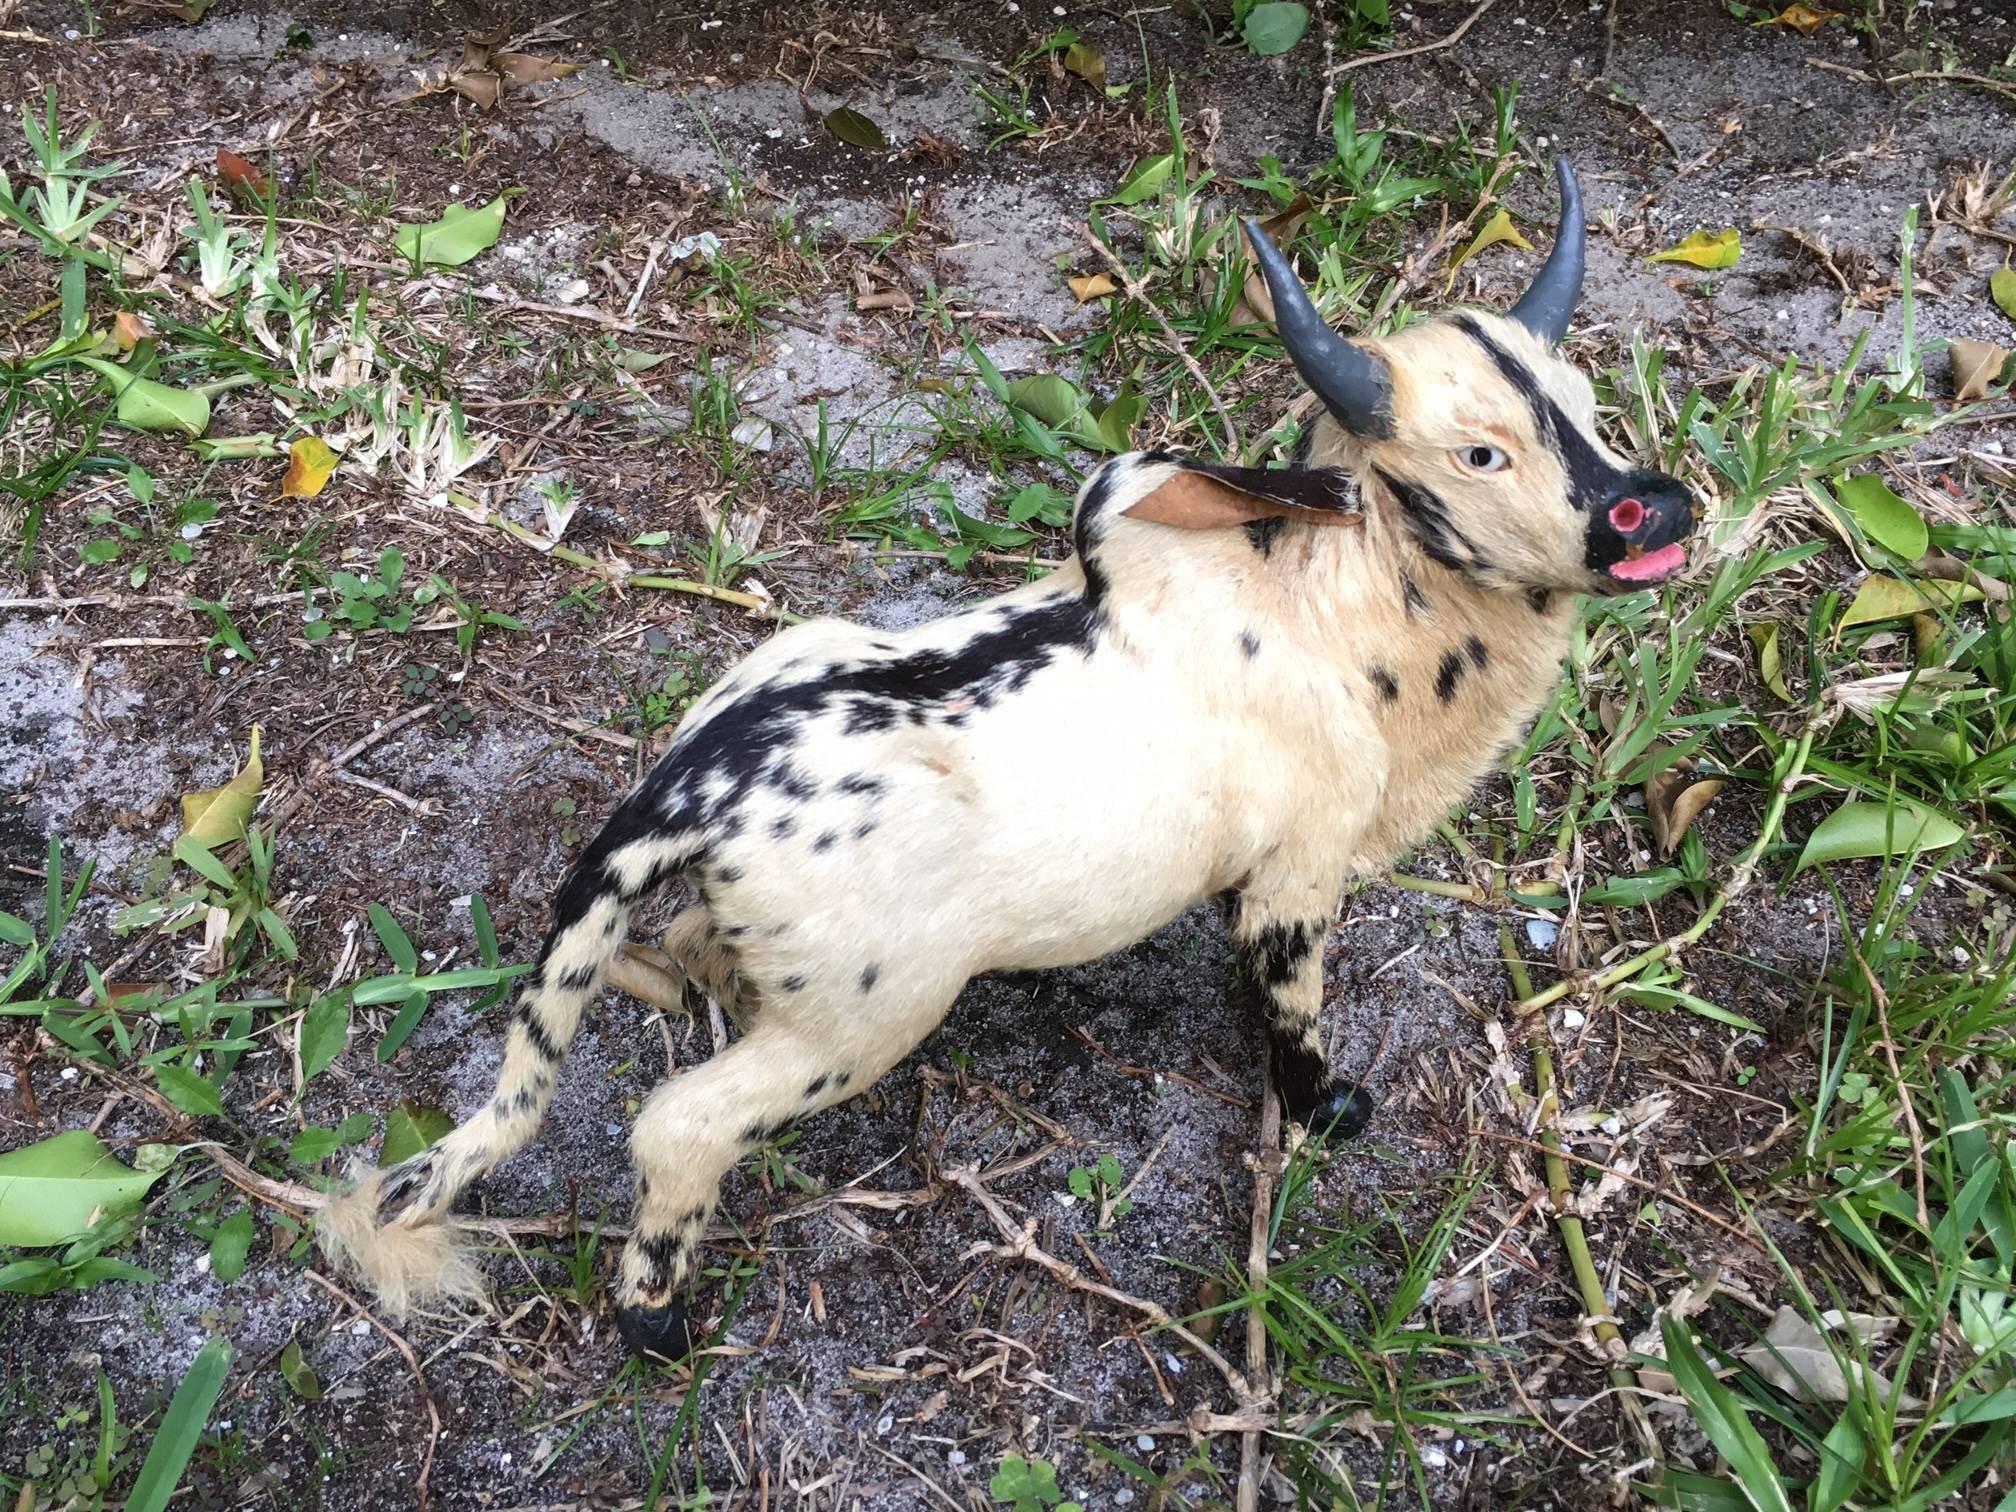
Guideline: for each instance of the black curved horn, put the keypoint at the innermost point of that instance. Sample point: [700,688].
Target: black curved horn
[1346,377]
[1545,308]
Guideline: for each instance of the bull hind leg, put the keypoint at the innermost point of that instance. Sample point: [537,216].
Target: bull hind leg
[804,1054]
[693,952]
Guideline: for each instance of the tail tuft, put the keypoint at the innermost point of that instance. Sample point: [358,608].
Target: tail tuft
[406,1264]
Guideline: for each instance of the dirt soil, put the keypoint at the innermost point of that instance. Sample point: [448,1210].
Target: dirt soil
[878,1355]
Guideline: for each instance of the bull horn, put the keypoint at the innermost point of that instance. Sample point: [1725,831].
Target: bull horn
[1545,308]
[1346,377]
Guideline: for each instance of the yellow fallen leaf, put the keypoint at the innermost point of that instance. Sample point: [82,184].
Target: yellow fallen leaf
[309,464]
[483,88]
[1886,598]
[1802,18]
[1770,661]
[1497,229]
[129,330]
[1705,249]
[1092,286]
[1256,303]
[219,816]
[1976,365]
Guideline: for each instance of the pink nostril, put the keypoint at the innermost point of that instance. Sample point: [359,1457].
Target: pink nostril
[1627,515]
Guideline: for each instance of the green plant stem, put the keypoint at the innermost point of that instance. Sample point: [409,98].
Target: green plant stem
[587,563]
[1741,875]
[1467,892]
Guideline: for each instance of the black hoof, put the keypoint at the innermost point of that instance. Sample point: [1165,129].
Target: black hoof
[1340,1112]
[656,1331]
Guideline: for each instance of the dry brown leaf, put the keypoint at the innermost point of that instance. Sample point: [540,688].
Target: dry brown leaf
[1092,286]
[1794,1356]
[529,68]
[1674,800]
[483,88]
[129,330]
[1256,305]
[885,299]
[1976,365]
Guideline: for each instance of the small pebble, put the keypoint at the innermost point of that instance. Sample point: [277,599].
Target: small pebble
[1573,1018]
[1144,1443]
[1542,933]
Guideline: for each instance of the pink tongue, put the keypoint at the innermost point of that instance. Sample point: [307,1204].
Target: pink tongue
[1658,564]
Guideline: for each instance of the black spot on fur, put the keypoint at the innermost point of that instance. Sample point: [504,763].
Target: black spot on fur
[817,1085]
[858,784]
[1249,643]
[764,1130]
[1412,599]
[535,1033]
[1087,526]
[1276,954]
[1263,533]
[791,782]
[868,978]
[711,768]
[783,827]
[868,716]
[1540,600]
[1480,656]
[1385,682]
[793,984]
[735,931]
[577,980]
[1448,675]
[864,829]
[728,874]
[825,841]
[524,1100]
[1432,525]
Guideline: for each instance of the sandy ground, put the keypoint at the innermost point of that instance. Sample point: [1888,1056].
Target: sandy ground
[874,1360]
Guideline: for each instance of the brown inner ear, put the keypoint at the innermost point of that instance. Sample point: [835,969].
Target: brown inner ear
[1195,501]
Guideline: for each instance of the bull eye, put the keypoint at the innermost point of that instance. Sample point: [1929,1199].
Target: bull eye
[1483,459]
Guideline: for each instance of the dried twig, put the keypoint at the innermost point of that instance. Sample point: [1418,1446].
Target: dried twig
[1021,1245]
[1332,72]
[1081,1033]
[1258,1233]
[1911,1129]
[413,1364]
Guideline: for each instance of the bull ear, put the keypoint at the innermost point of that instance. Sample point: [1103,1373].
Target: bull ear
[1206,496]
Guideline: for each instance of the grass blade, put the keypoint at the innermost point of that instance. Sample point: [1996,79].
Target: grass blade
[1722,1418]
[187,1414]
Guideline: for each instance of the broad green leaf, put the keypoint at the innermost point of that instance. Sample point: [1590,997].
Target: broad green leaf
[310,464]
[18,932]
[1861,829]
[231,1246]
[1274,27]
[193,1094]
[1117,420]
[324,1029]
[142,404]
[1770,664]
[1886,598]
[182,1425]
[1042,503]
[33,1278]
[219,816]
[1497,229]
[411,1128]
[459,236]
[855,129]
[1053,400]
[1721,1416]
[1885,518]
[402,1026]
[50,1190]
[2002,289]
[1705,249]
[1144,179]
[298,1374]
